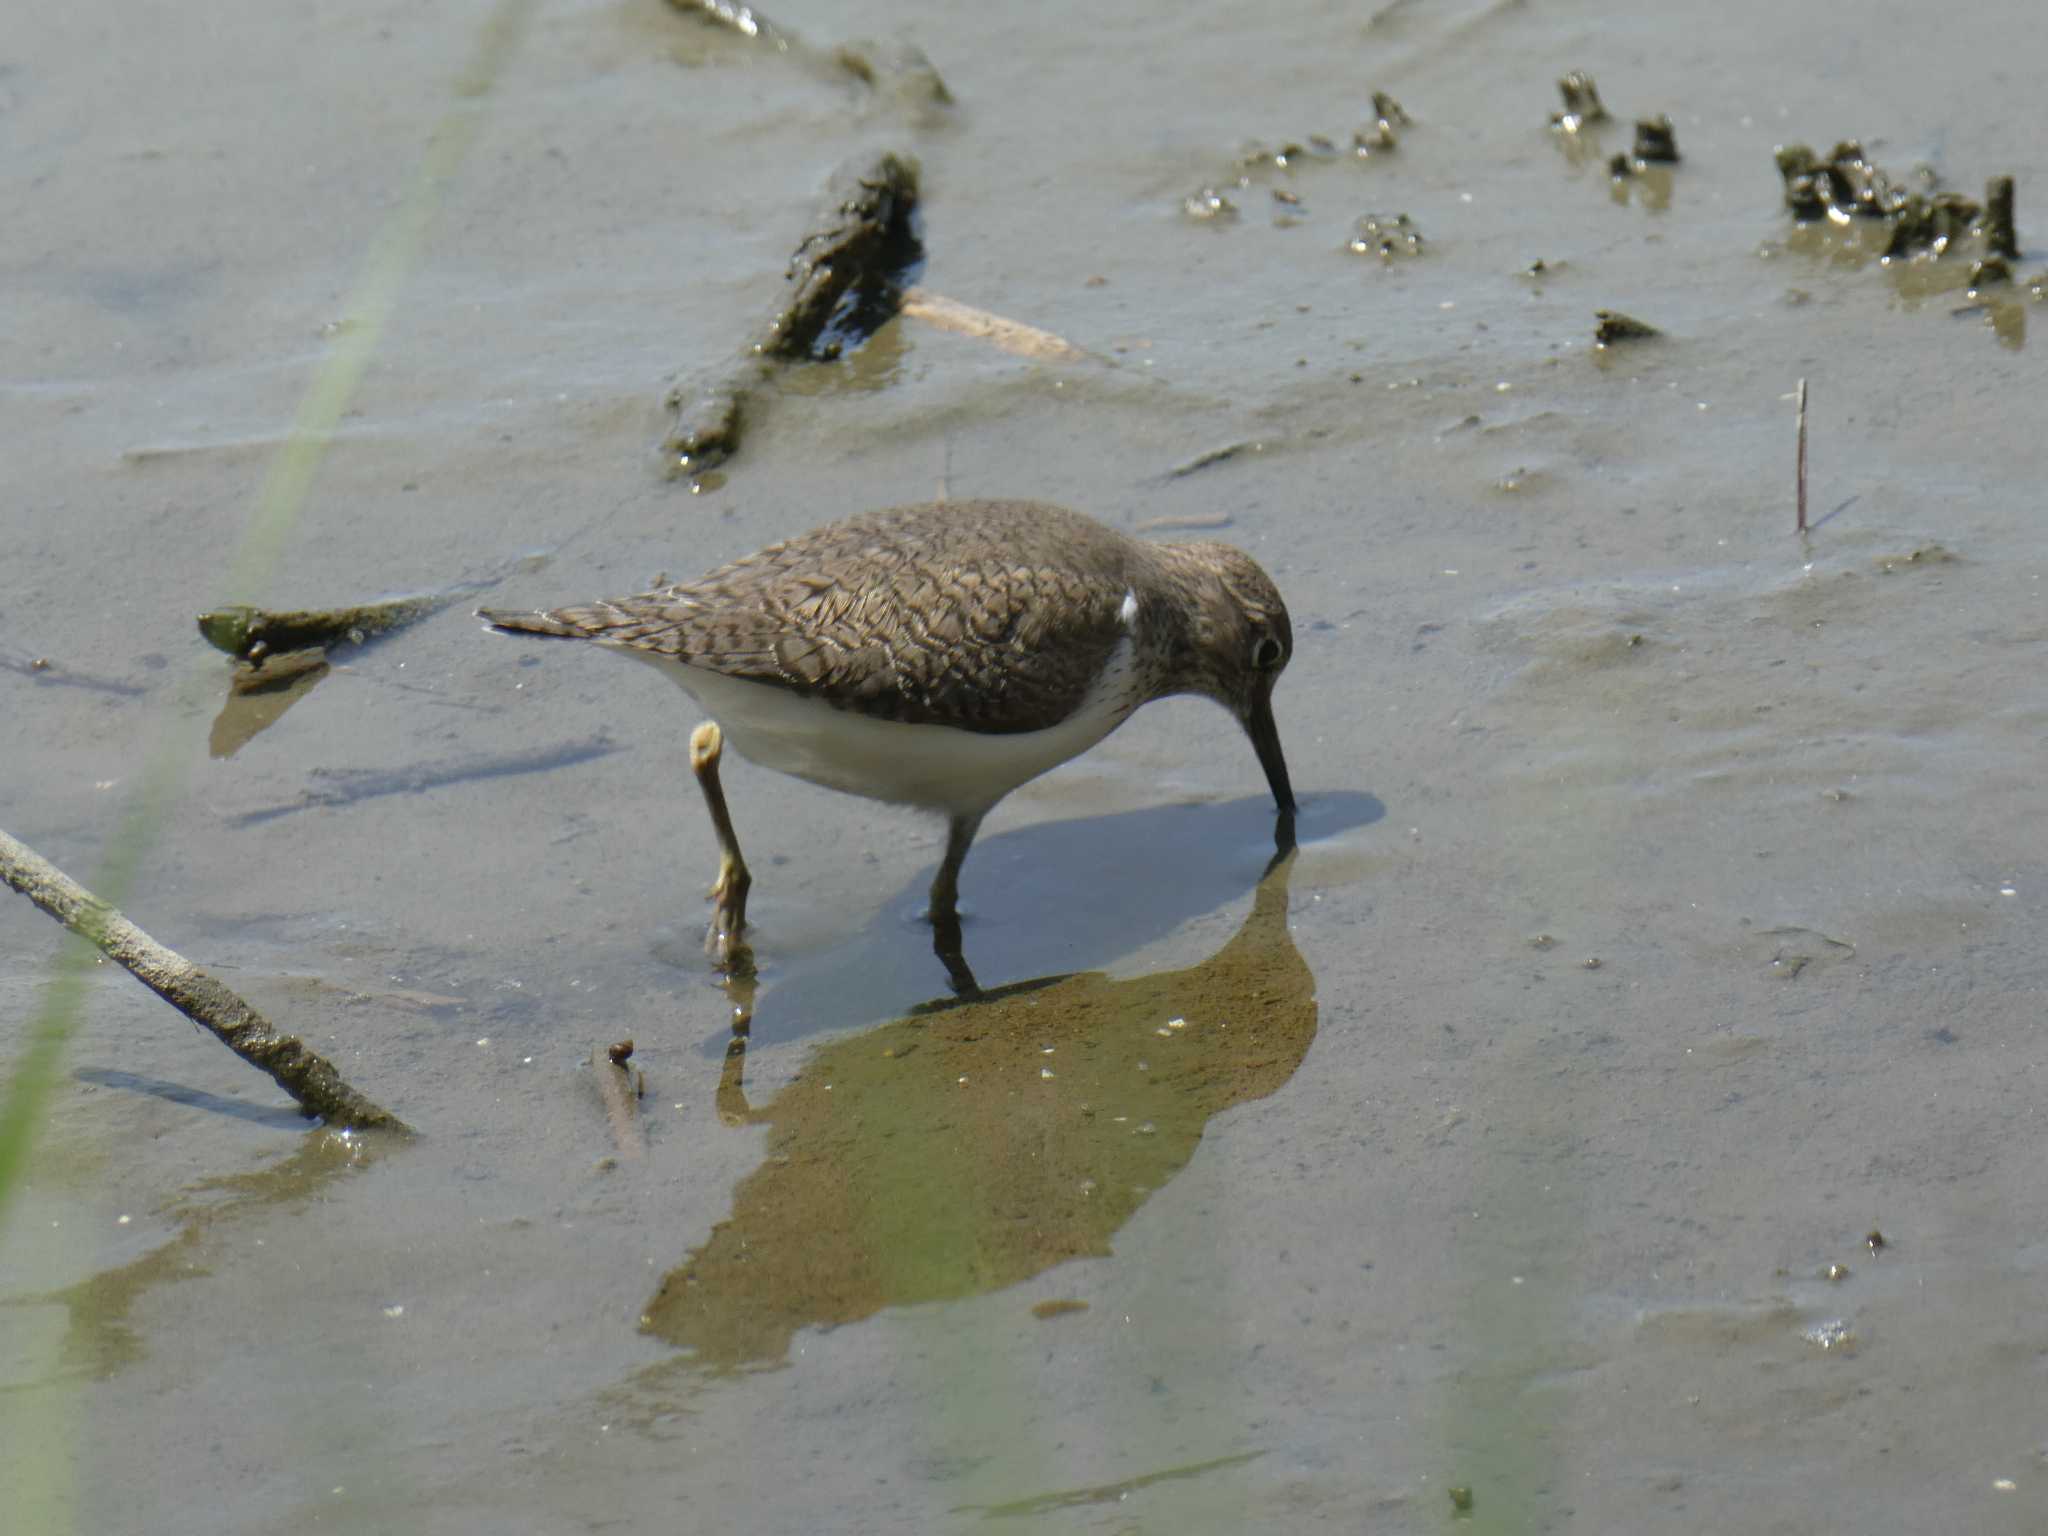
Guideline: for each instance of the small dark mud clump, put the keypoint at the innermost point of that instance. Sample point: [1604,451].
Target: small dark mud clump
[1643,172]
[1647,166]
[1848,185]
[1208,206]
[1388,236]
[1255,158]
[1656,140]
[1582,106]
[1925,557]
[2000,237]
[1614,327]
[707,423]
[1378,136]
[1257,163]
[1933,241]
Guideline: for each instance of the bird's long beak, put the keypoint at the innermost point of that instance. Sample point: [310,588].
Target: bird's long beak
[1265,735]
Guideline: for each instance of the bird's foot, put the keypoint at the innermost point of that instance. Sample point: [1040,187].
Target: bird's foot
[729,951]
[946,945]
[725,939]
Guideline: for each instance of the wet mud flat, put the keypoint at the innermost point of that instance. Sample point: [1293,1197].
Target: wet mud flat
[1667,927]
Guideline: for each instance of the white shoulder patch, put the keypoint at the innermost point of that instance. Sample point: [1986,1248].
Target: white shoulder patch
[1128,614]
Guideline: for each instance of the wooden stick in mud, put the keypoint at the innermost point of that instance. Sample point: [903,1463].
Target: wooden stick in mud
[1011,335]
[621,1104]
[1800,470]
[304,1074]
[860,235]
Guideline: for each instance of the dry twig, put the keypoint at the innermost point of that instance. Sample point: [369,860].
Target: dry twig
[303,1073]
[1011,335]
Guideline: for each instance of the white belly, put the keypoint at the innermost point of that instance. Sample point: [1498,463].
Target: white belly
[934,766]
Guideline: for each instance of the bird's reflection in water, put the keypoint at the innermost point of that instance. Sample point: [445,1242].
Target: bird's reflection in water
[981,1141]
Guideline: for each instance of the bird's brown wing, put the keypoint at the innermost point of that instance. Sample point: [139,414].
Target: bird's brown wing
[890,616]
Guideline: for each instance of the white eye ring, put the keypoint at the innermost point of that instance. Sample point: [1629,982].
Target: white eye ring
[1266,654]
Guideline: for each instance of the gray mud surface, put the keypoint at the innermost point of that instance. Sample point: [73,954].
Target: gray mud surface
[1667,914]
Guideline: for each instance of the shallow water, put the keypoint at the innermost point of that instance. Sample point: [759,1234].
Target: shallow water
[1661,926]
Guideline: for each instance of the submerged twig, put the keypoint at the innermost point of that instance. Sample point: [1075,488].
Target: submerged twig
[347,786]
[1799,471]
[42,670]
[301,1072]
[621,1103]
[1185,522]
[1221,453]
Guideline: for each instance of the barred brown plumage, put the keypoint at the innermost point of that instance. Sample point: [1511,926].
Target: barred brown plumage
[941,655]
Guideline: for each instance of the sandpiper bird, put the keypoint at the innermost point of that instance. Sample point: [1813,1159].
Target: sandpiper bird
[941,655]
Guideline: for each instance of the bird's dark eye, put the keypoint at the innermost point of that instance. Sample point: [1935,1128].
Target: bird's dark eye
[1267,654]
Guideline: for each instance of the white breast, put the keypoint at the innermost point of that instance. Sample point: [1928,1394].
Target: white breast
[934,766]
